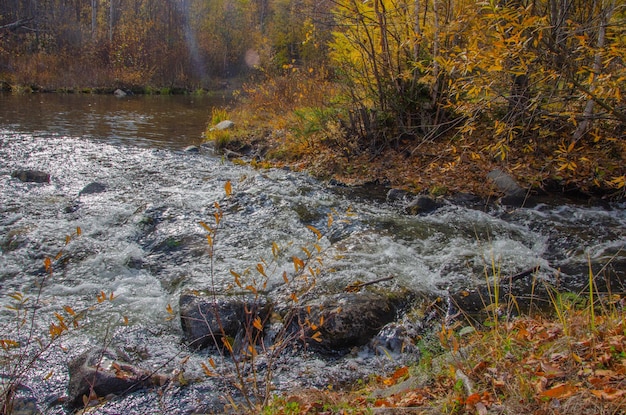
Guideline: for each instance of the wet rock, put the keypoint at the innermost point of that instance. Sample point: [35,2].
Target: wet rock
[395,338]
[349,319]
[101,372]
[206,319]
[422,205]
[119,93]
[191,149]
[396,195]
[93,188]
[33,176]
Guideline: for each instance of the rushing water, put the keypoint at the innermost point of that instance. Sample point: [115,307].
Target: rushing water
[141,239]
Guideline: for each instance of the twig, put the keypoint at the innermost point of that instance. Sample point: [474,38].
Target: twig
[358,285]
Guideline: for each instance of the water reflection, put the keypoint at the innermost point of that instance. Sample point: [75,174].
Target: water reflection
[162,121]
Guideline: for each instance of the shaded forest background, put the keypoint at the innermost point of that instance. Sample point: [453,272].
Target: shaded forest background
[540,82]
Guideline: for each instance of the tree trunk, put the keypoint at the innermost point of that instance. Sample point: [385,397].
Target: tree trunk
[94,19]
[585,123]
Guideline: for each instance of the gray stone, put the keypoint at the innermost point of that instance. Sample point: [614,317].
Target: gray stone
[506,184]
[224,125]
[119,93]
[33,176]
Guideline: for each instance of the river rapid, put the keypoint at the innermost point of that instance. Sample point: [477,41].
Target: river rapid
[141,240]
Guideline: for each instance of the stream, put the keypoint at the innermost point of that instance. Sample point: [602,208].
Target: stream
[141,240]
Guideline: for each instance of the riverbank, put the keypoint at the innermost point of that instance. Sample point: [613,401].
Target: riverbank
[301,128]
[571,363]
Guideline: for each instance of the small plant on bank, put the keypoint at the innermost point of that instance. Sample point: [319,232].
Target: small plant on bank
[247,360]
[22,345]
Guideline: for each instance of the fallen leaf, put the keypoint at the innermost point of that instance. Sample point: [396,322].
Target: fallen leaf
[560,391]
[608,393]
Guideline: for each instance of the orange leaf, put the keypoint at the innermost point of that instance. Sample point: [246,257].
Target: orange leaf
[257,324]
[400,373]
[608,393]
[207,371]
[228,188]
[560,391]
[473,399]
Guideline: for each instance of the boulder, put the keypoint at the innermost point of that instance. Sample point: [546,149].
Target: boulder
[209,320]
[514,194]
[93,188]
[101,372]
[119,93]
[348,319]
[34,176]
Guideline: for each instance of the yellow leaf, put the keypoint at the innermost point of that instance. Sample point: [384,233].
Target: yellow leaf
[285,278]
[206,227]
[237,278]
[317,337]
[212,363]
[207,371]
[260,269]
[47,263]
[69,310]
[169,309]
[298,264]
[78,231]
[317,233]
[257,324]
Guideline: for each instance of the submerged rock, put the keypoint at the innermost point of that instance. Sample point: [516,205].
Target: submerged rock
[191,149]
[209,321]
[33,176]
[93,188]
[422,205]
[101,372]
